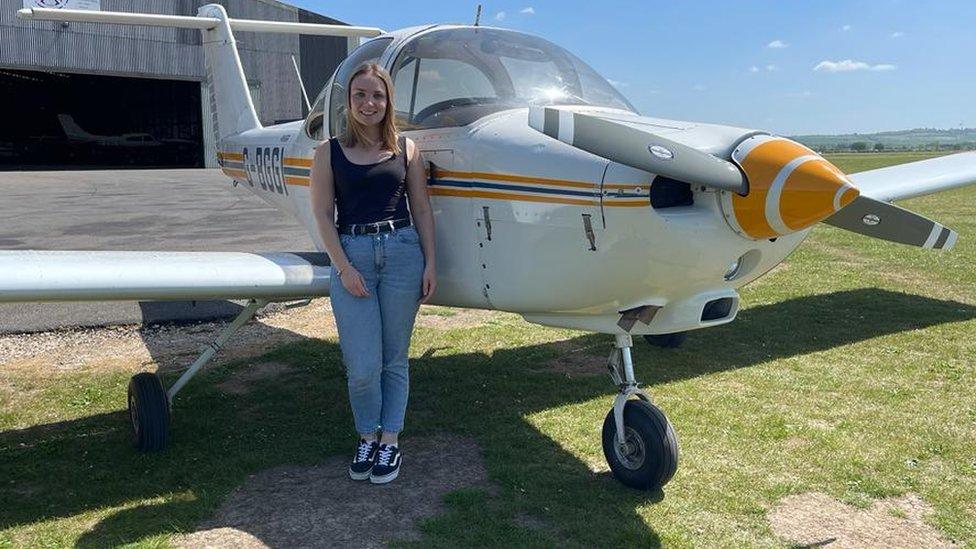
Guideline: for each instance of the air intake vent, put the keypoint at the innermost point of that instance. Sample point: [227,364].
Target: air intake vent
[717,309]
[669,193]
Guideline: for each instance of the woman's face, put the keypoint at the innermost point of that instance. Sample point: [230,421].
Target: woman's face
[367,99]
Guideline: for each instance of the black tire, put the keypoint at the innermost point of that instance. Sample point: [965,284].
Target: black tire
[148,412]
[654,458]
[667,341]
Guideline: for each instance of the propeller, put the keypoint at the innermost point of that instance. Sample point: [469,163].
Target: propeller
[638,148]
[777,186]
[886,221]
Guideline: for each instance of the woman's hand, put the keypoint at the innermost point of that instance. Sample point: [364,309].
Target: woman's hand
[429,283]
[353,282]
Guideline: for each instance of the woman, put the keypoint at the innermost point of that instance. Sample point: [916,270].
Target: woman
[382,267]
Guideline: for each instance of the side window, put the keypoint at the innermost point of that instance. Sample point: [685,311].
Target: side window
[335,90]
[427,88]
[367,53]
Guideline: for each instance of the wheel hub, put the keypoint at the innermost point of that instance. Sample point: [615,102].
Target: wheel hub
[631,453]
[134,415]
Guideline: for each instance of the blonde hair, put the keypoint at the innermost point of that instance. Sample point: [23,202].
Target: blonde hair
[355,133]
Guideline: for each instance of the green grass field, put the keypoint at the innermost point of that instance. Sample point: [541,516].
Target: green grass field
[850,371]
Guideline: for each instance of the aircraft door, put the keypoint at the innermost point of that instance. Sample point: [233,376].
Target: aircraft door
[459,277]
[542,252]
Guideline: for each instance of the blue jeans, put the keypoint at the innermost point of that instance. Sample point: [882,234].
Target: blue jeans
[374,331]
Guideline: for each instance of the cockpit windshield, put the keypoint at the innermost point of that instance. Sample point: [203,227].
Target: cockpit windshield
[452,77]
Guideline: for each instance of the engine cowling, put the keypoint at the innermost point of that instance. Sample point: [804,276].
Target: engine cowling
[790,188]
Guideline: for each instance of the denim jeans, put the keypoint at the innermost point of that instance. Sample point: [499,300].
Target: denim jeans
[374,331]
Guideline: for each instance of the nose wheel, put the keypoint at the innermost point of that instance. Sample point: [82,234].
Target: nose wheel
[639,443]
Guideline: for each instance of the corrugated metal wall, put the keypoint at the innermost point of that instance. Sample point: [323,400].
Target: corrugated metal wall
[165,53]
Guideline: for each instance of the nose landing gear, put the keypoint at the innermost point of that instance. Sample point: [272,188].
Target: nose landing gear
[639,442]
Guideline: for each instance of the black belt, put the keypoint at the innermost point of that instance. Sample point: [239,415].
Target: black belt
[374,228]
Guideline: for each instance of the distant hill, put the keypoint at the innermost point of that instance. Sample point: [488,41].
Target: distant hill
[919,139]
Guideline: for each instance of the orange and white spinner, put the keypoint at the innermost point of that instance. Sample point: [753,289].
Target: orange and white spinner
[790,188]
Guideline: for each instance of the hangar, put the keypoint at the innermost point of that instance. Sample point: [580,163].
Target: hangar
[84,95]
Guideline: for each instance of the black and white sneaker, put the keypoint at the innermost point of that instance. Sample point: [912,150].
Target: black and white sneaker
[387,465]
[364,460]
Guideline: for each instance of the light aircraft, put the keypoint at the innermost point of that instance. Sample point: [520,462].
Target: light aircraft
[78,135]
[553,198]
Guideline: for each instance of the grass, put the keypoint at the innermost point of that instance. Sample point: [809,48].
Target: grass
[849,372]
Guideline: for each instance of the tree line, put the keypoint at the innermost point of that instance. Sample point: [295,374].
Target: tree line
[867,146]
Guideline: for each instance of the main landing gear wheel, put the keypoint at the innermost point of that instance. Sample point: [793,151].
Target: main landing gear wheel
[648,457]
[149,403]
[667,341]
[149,412]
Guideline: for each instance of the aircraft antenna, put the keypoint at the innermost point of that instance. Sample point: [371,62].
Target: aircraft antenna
[477,16]
[301,84]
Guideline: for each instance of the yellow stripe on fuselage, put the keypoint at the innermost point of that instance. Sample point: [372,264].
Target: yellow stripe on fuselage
[231,156]
[303,181]
[234,172]
[513,178]
[296,162]
[480,193]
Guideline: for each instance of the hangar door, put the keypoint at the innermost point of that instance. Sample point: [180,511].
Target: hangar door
[69,121]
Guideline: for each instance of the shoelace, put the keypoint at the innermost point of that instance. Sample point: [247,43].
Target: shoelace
[386,455]
[362,453]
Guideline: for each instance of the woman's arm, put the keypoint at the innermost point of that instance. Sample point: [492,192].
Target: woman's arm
[423,216]
[322,192]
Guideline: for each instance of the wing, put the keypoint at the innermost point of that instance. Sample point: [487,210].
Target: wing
[917,178]
[160,276]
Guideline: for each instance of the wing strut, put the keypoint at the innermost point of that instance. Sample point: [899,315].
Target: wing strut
[211,350]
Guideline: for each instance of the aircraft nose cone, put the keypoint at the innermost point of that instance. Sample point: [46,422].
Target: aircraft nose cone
[790,188]
[812,192]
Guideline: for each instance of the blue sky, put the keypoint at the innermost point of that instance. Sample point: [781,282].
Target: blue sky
[786,66]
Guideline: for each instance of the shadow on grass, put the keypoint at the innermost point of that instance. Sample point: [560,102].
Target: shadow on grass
[66,468]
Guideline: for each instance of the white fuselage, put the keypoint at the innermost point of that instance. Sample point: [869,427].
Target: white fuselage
[574,240]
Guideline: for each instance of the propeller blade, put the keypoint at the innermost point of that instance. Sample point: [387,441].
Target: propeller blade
[886,221]
[637,148]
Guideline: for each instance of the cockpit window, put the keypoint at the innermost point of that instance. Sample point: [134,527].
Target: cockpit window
[453,77]
[335,92]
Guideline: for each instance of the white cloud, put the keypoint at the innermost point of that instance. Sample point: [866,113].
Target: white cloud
[699,87]
[897,34]
[845,28]
[771,68]
[617,83]
[777,44]
[753,69]
[500,16]
[799,95]
[528,10]
[849,65]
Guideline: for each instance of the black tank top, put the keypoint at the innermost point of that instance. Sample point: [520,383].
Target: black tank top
[367,193]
